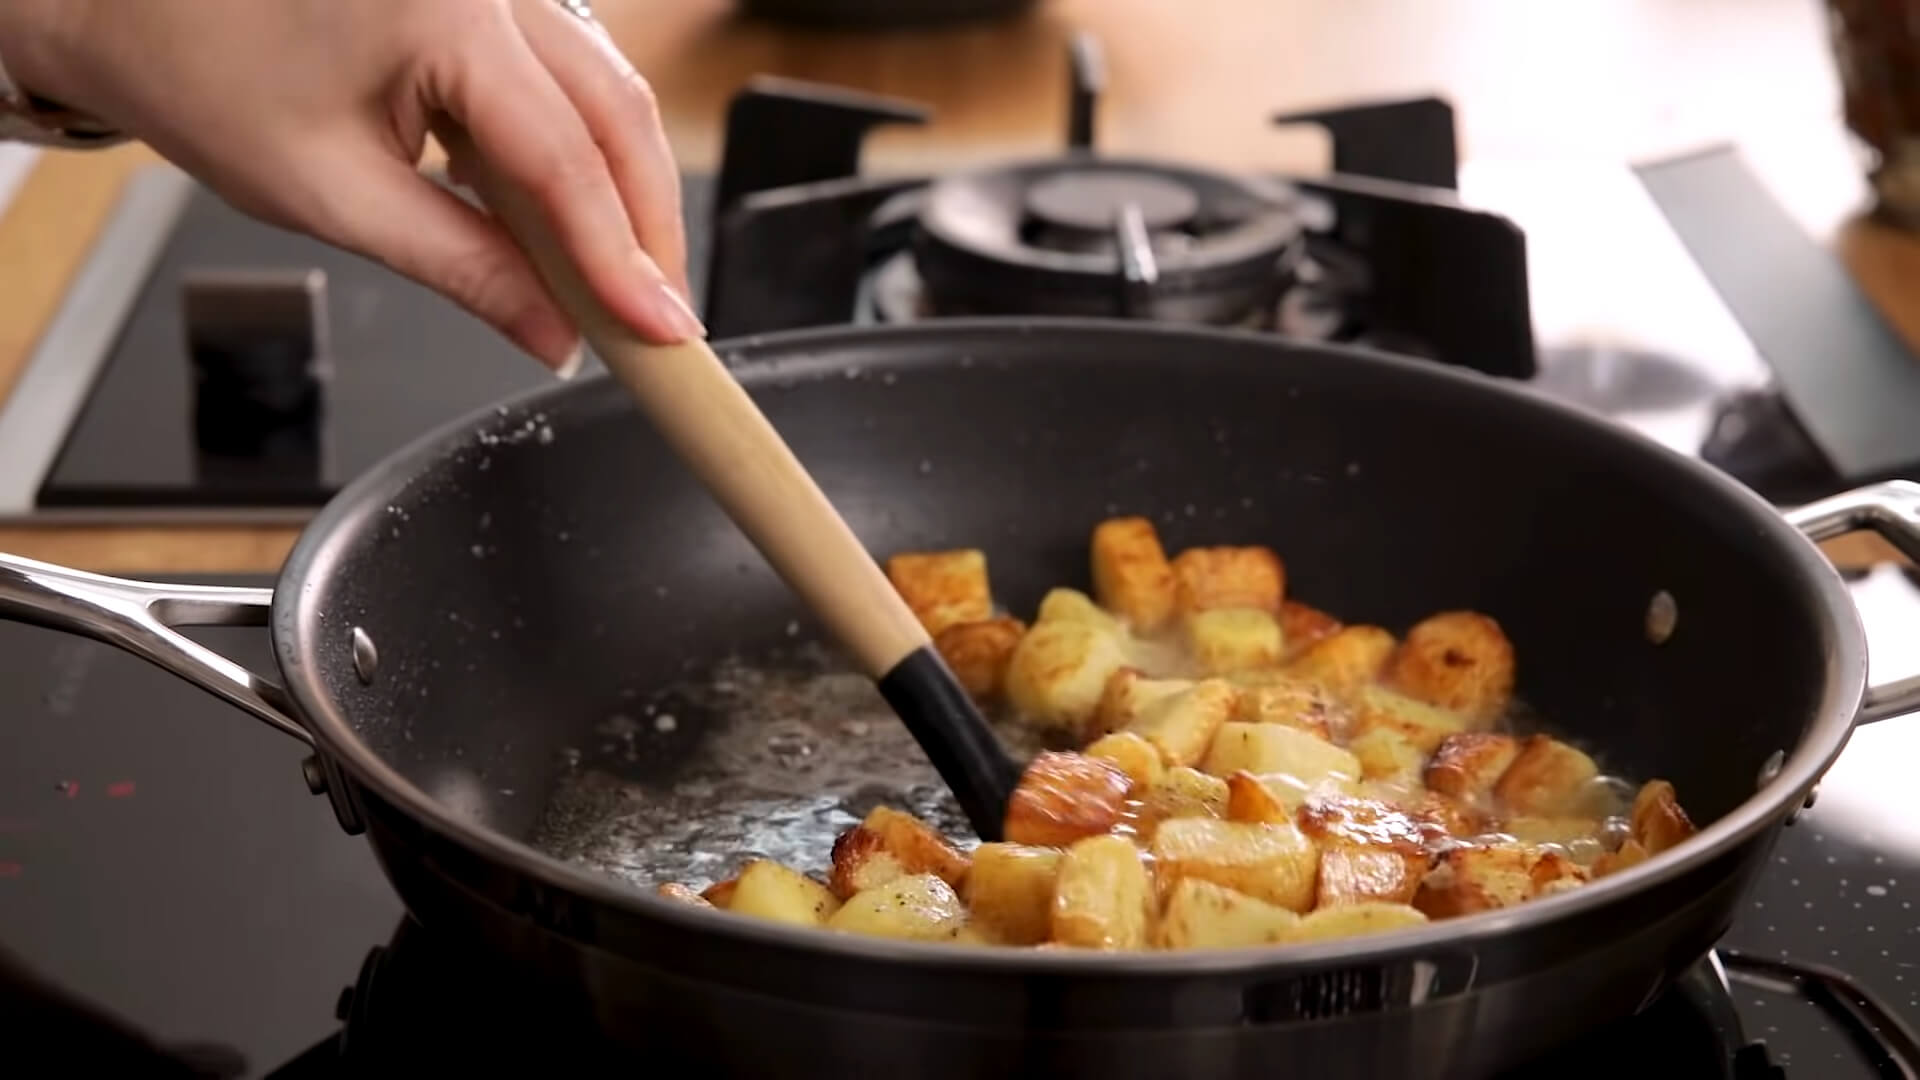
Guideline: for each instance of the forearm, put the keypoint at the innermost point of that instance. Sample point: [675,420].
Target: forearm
[40,83]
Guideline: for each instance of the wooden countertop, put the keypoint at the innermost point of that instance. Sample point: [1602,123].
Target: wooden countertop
[1578,79]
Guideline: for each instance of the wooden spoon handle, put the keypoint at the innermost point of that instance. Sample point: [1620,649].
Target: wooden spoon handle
[714,426]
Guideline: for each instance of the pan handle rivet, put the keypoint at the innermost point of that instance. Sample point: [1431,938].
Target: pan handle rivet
[1770,768]
[315,776]
[366,659]
[1663,613]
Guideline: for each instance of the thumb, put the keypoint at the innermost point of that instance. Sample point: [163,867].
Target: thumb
[423,231]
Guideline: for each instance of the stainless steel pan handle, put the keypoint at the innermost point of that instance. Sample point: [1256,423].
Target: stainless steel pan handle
[1891,509]
[141,616]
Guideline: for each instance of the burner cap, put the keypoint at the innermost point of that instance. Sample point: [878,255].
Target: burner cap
[1090,200]
[1040,238]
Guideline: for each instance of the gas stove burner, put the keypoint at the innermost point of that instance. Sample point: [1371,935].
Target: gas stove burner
[1101,237]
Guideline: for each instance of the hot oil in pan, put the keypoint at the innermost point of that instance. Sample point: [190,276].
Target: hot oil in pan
[775,760]
[779,759]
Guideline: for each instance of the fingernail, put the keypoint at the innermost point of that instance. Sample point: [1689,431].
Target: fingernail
[571,366]
[677,313]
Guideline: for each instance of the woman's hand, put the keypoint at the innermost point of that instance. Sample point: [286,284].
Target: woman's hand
[313,114]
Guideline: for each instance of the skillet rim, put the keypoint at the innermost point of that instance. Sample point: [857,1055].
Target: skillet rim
[770,359]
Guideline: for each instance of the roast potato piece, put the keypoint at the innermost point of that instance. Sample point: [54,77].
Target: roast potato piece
[768,890]
[918,907]
[1367,875]
[1268,750]
[1134,755]
[1293,702]
[1072,605]
[1182,725]
[1425,726]
[1466,766]
[1458,660]
[943,587]
[1252,801]
[1386,754]
[1208,578]
[1202,915]
[1301,625]
[1010,891]
[1354,920]
[1547,777]
[1062,797]
[891,844]
[1657,820]
[1471,879]
[1345,660]
[1275,863]
[1127,695]
[978,652]
[1182,793]
[720,893]
[1131,574]
[1632,853]
[1353,821]
[1226,640]
[1059,670]
[673,890]
[1103,897]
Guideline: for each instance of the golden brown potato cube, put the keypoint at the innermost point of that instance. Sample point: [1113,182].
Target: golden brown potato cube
[1131,574]
[1294,702]
[1353,821]
[720,893]
[1226,640]
[1355,920]
[1127,694]
[1202,915]
[943,587]
[1010,891]
[1301,625]
[1459,660]
[768,890]
[1657,820]
[1103,897]
[1251,801]
[673,890]
[1182,725]
[1346,659]
[1277,750]
[1063,797]
[1425,726]
[1451,815]
[1059,670]
[1072,605]
[918,907]
[1183,793]
[891,844]
[1467,765]
[978,652]
[1134,755]
[1386,754]
[1470,879]
[1207,578]
[1631,854]
[1547,777]
[1365,875]
[1275,863]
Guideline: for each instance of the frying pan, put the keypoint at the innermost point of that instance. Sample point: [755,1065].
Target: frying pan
[511,647]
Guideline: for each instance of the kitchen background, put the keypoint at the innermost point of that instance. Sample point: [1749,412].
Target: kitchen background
[1573,120]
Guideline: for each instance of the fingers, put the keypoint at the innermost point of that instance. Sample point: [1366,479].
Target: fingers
[424,232]
[532,137]
[623,119]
